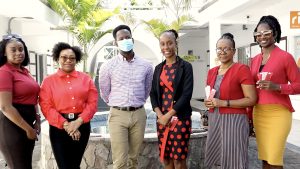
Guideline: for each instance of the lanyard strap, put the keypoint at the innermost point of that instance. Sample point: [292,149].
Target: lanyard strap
[171,127]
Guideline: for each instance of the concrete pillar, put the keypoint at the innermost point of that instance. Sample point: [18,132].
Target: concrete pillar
[214,35]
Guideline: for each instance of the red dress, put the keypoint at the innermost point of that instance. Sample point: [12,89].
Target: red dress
[178,139]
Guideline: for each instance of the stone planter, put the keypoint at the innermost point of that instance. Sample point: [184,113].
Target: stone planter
[98,152]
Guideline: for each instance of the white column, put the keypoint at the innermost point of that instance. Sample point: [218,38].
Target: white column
[214,35]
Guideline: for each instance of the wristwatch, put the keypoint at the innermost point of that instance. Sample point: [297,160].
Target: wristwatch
[228,103]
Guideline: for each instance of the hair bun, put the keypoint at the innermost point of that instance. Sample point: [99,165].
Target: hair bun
[228,35]
[174,32]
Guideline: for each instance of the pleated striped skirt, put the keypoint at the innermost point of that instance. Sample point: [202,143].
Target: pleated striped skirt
[227,141]
[272,123]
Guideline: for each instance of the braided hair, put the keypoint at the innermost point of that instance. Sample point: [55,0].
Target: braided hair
[174,32]
[273,24]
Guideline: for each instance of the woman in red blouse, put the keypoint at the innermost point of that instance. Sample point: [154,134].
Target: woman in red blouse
[277,76]
[68,100]
[19,122]
[228,127]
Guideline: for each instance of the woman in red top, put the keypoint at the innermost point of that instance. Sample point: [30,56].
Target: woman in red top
[228,127]
[19,122]
[272,114]
[68,100]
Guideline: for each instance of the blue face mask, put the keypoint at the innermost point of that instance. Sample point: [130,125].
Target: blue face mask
[125,45]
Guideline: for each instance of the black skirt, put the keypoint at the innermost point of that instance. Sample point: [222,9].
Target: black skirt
[16,148]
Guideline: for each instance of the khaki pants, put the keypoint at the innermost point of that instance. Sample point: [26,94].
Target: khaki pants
[126,129]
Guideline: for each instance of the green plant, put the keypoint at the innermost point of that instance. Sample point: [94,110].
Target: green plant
[85,20]
[179,10]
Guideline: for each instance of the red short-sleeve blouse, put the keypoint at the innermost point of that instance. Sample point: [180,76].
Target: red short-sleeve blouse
[24,88]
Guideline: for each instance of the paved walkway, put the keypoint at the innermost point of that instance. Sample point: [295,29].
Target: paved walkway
[292,153]
[35,159]
[291,157]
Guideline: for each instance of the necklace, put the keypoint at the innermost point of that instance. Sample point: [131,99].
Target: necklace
[264,61]
[221,69]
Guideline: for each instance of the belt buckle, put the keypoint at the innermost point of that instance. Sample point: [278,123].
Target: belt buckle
[71,116]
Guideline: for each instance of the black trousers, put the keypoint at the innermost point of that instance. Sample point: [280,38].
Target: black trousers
[67,152]
[16,148]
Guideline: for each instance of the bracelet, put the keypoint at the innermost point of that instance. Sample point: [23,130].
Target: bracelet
[279,87]
[228,103]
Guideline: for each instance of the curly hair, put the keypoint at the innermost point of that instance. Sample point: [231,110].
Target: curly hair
[120,27]
[273,24]
[62,46]
[3,44]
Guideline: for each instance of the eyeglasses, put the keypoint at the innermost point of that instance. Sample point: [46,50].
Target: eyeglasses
[267,33]
[220,50]
[11,36]
[65,58]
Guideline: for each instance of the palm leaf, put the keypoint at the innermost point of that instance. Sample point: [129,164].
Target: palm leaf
[84,19]
[179,23]
[177,7]
[127,18]
[156,26]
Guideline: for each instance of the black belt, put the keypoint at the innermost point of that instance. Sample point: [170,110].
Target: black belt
[129,108]
[70,116]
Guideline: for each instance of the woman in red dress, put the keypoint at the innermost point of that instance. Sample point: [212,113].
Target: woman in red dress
[171,92]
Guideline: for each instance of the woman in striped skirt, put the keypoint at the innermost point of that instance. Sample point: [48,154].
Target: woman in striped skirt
[228,131]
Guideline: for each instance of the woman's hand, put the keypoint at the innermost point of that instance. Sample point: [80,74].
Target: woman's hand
[214,102]
[73,126]
[31,134]
[208,103]
[76,135]
[158,112]
[251,129]
[267,85]
[164,119]
[37,126]
[37,123]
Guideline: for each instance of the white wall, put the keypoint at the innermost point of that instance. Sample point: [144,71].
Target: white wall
[44,43]
[199,45]
[241,37]
[3,23]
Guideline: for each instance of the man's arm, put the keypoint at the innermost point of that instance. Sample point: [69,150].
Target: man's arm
[148,81]
[104,82]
